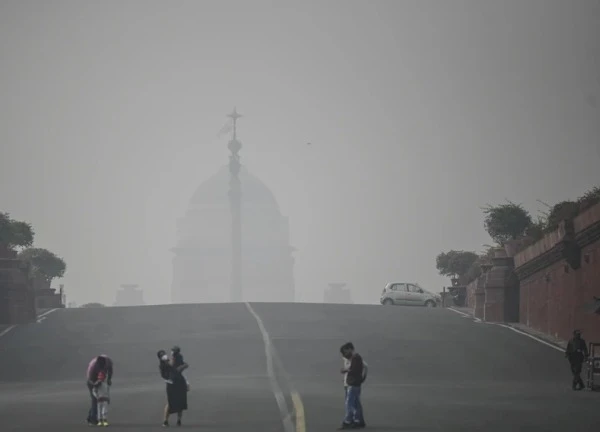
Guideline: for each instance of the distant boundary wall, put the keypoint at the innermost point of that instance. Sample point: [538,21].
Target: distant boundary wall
[549,286]
[559,277]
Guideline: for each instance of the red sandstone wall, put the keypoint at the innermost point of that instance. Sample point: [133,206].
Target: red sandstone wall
[553,300]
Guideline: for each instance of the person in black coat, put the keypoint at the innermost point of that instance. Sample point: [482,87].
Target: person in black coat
[171,368]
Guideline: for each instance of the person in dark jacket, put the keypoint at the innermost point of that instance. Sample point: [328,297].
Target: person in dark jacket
[353,418]
[365,370]
[576,353]
[171,368]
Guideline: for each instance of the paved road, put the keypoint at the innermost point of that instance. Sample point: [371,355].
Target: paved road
[430,370]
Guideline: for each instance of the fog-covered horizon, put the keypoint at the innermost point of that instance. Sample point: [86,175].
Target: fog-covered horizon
[418,113]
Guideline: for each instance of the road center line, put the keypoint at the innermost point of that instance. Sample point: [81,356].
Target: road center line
[279,397]
[299,410]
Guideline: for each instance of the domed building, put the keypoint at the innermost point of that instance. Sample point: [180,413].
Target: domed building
[203,266]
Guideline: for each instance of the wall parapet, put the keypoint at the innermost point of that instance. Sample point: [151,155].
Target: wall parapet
[563,243]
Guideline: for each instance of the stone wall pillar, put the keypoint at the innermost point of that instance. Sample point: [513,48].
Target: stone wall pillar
[480,293]
[498,278]
[16,293]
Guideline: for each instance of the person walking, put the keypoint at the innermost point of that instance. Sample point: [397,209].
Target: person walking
[353,418]
[576,353]
[104,364]
[346,366]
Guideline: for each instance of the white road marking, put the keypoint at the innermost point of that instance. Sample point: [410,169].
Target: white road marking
[459,312]
[465,315]
[48,312]
[279,397]
[5,331]
[531,337]
[39,319]
[548,344]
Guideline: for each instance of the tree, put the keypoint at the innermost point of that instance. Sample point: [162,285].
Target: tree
[455,263]
[442,263]
[506,222]
[44,264]
[15,234]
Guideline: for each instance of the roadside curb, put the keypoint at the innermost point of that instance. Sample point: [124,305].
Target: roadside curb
[42,313]
[522,329]
[4,329]
[40,317]
[559,344]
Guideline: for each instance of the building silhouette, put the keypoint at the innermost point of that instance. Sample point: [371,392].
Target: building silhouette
[129,295]
[337,293]
[233,241]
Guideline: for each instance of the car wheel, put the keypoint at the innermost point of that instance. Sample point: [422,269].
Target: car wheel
[430,304]
[388,302]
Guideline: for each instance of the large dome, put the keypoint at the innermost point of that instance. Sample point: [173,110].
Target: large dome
[214,191]
[204,256]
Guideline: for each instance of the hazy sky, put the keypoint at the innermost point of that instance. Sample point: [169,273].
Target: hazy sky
[419,113]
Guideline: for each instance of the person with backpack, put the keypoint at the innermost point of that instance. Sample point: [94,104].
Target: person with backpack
[355,376]
[346,366]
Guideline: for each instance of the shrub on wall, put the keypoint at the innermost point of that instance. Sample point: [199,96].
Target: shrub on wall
[537,229]
[566,210]
[562,211]
[506,222]
[589,199]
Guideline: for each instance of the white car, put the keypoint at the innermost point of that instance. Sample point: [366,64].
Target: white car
[407,294]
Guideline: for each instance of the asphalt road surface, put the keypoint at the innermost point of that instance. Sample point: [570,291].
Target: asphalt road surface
[430,370]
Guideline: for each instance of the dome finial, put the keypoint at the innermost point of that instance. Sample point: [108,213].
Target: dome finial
[234,116]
